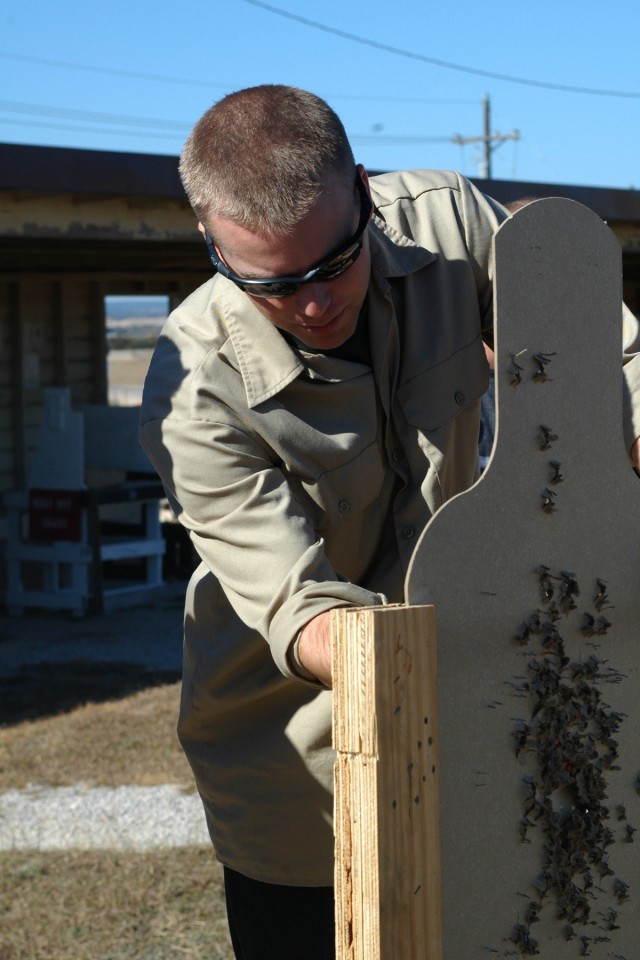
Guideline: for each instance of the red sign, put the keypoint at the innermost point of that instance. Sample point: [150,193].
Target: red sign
[55,515]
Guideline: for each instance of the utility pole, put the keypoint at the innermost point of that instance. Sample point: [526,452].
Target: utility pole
[487,138]
[486,113]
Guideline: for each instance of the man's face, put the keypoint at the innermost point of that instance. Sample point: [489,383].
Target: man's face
[321,314]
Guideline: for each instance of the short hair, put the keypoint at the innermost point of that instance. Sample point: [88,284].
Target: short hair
[261,157]
[514,205]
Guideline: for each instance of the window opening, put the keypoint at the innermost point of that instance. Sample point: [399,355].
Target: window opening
[133,323]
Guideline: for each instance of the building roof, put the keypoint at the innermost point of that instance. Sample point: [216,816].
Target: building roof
[70,170]
[112,173]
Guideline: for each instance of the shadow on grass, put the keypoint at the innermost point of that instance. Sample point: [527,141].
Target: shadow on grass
[49,689]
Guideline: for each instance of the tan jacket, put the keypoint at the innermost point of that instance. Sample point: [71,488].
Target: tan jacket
[305,481]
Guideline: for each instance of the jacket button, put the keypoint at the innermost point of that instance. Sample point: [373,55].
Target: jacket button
[344,506]
[396,456]
[459,397]
[408,532]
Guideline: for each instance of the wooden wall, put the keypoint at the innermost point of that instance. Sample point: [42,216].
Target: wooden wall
[53,334]
[63,252]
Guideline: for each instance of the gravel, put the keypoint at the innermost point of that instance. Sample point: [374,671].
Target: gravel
[83,818]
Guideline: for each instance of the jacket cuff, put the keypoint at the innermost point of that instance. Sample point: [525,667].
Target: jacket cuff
[295,614]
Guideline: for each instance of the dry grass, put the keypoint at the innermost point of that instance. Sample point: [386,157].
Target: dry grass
[102,724]
[131,740]
[110,906]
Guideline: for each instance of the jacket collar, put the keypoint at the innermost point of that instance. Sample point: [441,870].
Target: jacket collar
[267,362]
[393,254]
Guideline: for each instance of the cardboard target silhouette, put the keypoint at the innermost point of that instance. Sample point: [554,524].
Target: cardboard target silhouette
[535,578]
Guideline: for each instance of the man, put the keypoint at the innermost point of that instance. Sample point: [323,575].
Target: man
[308,409]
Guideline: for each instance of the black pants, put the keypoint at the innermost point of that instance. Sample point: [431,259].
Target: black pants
[271,922]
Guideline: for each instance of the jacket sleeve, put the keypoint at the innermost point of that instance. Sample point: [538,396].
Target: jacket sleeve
[249,528]
[481,217]
[631,358]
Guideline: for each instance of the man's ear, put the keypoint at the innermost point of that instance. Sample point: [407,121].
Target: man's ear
[201,228]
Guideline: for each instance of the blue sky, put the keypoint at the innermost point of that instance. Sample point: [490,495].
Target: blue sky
[405,76]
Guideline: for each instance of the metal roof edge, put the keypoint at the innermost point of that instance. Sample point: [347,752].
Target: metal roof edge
[114,173]
[73,170]
[610,203]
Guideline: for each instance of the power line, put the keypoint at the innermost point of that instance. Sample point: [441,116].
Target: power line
[166,129]
[399,140]
[111,71]
[411,55]
[164,78]
[171,129]
[163,128]
[360,138]
[69,113]
[79,128]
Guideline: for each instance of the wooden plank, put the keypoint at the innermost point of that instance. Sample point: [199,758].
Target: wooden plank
[122,549]
[96,295]
[59,373]
[386,784]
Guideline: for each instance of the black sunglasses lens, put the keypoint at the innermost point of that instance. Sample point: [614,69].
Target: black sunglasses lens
[341,263]
[274,288]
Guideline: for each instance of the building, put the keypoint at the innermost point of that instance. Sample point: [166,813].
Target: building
[77,226]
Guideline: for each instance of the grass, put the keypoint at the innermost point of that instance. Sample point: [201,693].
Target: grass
[86,737]
[102,905]
[107,725]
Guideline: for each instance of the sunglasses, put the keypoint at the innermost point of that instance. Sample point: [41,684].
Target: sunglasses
[334,266]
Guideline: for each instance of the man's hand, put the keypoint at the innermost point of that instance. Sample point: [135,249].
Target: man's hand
[314,648]
[635,454]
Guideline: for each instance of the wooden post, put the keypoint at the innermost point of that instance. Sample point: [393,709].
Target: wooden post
[386,784]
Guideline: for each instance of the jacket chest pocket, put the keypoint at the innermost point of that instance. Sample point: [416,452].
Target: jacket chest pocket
[434,397]
[338,495]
